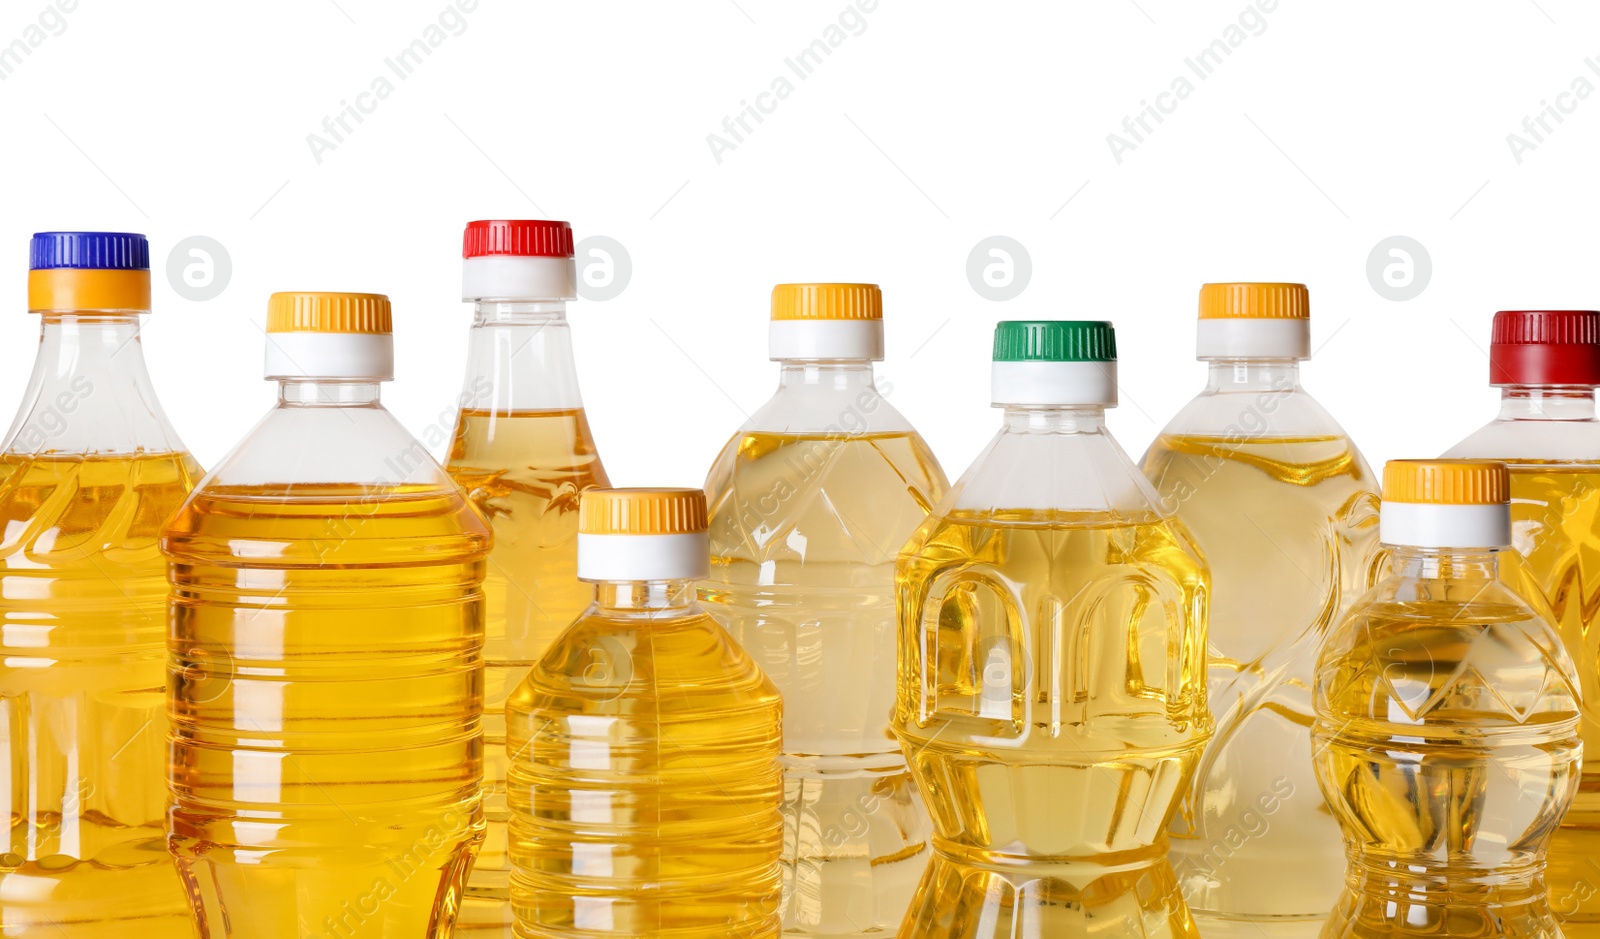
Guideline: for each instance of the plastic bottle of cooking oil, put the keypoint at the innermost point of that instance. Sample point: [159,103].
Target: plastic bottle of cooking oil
[1285,511]
[1446,734]
[88,474]
[810,501]
[644,780]
[326,643]
[1547,365]
[523,451]
[1052,697]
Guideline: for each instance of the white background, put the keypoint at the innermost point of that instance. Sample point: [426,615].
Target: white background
[940,124]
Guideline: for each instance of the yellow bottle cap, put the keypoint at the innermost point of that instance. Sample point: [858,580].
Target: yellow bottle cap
[1446,482]
[326,312]
[827,302]
[1254,301]
[642,512]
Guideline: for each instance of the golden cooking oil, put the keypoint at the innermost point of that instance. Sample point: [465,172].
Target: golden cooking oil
[1053,711]
[83,635]
[326,690]
[1555,521]
[1446,733]
[326,624]
[644,783]
[524,470]
[1288,526]
[804,533]
[1447,745]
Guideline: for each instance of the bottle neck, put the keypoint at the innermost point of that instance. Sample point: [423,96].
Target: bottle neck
[1255,375]
[322,392]
[90,390]
[1076,419]
[1547,403]
[519,358]
[645,596]
[828,374]
[1452,564]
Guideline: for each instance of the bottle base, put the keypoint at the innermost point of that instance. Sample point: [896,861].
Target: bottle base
[413,893]
[1225,926]
[131,890]
[1573,870]
[1048,900]
[855,842]
[1390,915]
[484,917]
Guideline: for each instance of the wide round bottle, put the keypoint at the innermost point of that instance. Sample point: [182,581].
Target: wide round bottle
[1285,511]
[1052,699]
[326,681]
[1446,734]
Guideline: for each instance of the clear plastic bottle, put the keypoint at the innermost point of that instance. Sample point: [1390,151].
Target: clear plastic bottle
[1446,734]
[810,501]
[327,634]
[644,780]
[523,452]
[89,473]
[1547,365]
[1052,697]
[1285,511]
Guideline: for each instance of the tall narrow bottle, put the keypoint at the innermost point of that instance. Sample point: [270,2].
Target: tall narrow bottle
[523,452]
[810,500]
[88,474]
[1547,365]
[1052,698]
[326,670]
[644,779]
[1285,511]
[1446,734]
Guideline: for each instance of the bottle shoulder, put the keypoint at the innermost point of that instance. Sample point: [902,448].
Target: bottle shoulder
[319,486]
[845,500]
[1254,413]
[1517,441]
[92,395]
[853,407]
[639,663]
[1057,472]
[295,445]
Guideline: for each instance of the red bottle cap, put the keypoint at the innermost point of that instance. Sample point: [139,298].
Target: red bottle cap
[1545,347]
[527,238]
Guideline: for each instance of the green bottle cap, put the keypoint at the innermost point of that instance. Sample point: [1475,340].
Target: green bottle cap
[1055,341]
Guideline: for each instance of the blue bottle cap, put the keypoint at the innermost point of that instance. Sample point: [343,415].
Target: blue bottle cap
[89,250]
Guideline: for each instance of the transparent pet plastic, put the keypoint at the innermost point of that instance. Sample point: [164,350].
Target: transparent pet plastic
[1052,697]
[1550,439]
[327,679]
[1285,511]
[1446,742]
[810,501]
[89,473]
